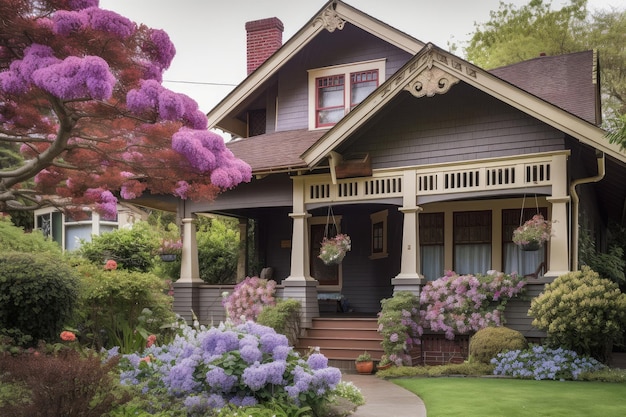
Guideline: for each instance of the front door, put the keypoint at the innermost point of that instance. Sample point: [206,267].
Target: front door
[326,275]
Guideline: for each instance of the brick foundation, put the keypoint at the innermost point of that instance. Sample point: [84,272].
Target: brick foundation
[437,350]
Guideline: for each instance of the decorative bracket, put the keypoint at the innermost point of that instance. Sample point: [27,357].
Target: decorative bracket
[330,19]
[431,81]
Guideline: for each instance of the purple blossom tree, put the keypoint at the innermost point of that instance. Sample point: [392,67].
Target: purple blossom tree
[84,118]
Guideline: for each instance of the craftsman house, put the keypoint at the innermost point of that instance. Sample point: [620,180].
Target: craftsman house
[426,161]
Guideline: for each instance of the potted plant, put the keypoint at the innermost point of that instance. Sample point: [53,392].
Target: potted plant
[170,249]
[385,363]
[334,249]
[364,363]
[532,234]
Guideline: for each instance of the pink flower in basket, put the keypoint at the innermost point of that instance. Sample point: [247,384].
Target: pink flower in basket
[535,231]
[334,249]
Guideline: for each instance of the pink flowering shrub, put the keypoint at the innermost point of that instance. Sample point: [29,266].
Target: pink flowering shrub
[467,303]
[452,304]
[248,299]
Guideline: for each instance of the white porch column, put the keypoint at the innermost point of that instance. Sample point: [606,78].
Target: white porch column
[409,278]
[189,270]
[558,251]
[299,284]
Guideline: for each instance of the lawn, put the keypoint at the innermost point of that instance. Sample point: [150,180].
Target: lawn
[492,397]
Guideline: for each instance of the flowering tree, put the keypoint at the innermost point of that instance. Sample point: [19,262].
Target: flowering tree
[85,119]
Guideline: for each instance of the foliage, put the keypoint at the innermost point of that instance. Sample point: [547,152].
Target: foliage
[38,293]
[133,249]
[536,229]
[466,368]
[81,95]
[248,299]
[218,250]
[486,343]
[398,325]
[517,34]
[350,392]
[13,238]
[120,308]
[334,249]
[364,357]
[604,374]
[243,365]
[272,409]
[170,247]
[466,303]
[581,312]
[608,265]
[284,318]
[63,384]
[538,362]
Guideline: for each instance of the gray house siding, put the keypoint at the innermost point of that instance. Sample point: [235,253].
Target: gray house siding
[458,126]
[293,78]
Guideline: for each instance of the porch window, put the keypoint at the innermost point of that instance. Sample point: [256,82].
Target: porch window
[379,234]
[472,242]
[432,251]
[516,260]
[334,91]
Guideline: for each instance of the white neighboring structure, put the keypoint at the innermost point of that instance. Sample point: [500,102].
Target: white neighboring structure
[68,232]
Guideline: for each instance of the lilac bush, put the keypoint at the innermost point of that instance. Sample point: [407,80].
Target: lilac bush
[459,304]
[248,299]
[539,363]
[242,365]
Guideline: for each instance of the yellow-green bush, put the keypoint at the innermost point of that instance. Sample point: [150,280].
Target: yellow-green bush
[488,342]
[582,312]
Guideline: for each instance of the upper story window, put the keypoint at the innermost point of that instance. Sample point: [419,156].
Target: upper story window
[334,91]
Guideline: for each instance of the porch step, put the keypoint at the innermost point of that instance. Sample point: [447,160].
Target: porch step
[341,340]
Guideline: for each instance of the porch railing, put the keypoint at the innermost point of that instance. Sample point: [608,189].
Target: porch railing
[487,175]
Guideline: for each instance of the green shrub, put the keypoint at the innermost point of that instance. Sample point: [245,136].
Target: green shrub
[65,384]
[486,343]
[37,296]
[466,368]
[13,238]
[284,318]
[581,312]
[218,250]
[133,249]
[120,308]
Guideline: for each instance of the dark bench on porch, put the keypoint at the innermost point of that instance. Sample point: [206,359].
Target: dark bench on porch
[335,299]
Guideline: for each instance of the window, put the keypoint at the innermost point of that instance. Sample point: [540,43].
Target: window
[334,91]
[515,259]
[432,250]
[472,242]
[379,234]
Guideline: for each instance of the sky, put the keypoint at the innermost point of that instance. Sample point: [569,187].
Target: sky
[210,36]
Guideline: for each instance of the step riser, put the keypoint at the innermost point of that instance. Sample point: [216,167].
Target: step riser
[344,334]
[344,323]
[346,343]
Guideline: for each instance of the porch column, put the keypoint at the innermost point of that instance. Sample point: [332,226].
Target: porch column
[299,284]
[243,250]
[409,278]
[186,289]
[558,251]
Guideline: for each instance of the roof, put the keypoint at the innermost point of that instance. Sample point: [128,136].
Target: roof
[275,152]
[568,81]
[432,66]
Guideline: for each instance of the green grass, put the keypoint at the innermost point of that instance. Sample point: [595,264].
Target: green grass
[494,397]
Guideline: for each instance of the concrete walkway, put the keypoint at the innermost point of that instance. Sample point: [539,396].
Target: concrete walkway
[384,398]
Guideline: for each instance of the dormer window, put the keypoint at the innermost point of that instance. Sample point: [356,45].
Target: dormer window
[334,91]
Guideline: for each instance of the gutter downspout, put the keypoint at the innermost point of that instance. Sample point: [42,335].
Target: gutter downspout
[601,159]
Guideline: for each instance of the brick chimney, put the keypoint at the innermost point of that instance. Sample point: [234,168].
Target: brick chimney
[263,38]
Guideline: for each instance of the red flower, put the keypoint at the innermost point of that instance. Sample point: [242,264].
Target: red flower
[68,336]
[151,340]
[110,265]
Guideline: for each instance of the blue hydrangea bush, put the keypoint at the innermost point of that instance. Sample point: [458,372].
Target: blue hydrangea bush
[539,362]
[247,364]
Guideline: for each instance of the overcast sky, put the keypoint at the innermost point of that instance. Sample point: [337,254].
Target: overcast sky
[210,37]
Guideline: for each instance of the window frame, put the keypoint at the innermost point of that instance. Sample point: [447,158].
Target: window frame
[336,70]
[375,219]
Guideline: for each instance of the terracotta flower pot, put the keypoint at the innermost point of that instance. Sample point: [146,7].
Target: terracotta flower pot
[365,368]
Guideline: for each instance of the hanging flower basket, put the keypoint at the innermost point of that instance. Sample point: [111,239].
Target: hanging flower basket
[533,234]
[334,249]
[170,249]
[168,257]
